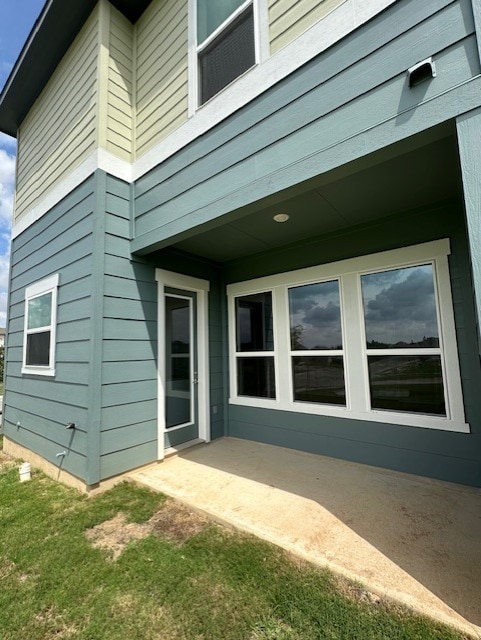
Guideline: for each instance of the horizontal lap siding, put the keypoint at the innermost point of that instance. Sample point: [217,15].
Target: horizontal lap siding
[60,130]
[302,126]
[129,349]
[455,457]
[120,87]
[37,408]
[161,72]
[288,19]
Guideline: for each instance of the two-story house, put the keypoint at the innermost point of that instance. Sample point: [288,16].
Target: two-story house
[257,219]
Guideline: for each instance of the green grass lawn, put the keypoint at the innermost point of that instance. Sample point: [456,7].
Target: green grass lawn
[183,578]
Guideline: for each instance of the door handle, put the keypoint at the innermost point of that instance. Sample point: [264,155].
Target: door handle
[196,378]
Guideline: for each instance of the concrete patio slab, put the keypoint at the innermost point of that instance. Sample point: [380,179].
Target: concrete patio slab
[415,540]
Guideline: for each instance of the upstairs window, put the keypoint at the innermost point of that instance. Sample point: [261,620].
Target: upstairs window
[225,43]
[40,325]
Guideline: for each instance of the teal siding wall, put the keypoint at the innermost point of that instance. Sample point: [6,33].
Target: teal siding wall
[38,408]
[129,346]
[449,456]
[346,103]
[128,392]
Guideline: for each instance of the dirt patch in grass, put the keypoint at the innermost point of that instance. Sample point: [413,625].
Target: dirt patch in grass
[6,461]
[173,522]
[176,523]
[356,592]
[53,625]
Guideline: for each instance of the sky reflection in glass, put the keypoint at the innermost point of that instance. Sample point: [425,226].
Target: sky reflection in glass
[315,316]
[400,308]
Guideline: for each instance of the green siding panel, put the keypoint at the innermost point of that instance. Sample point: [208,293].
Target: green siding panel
[59,242]
[124,460]
[128,415]
[130,436]
[129,371]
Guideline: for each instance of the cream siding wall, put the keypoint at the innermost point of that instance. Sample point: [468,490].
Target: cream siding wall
[161,72]
[288,19]
[120,109]
[60,130]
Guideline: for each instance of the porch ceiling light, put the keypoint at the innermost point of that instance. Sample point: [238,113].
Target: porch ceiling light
[281,217]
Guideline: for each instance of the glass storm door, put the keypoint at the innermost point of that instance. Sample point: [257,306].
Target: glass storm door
[181,414]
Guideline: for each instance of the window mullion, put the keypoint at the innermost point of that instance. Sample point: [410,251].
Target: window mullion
[355,364]
[282,344]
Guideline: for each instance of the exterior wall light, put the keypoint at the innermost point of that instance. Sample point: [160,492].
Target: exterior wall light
[281,217]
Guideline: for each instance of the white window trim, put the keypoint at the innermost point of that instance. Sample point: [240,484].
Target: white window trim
[261,43]
[42,287]
[348,273]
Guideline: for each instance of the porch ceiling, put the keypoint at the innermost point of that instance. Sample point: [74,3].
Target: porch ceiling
[381,185]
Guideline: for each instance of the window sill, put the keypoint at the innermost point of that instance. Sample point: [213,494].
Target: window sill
[38,371]
[385,417]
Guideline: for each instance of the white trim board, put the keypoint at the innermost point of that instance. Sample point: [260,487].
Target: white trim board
[341,21]
[99,159]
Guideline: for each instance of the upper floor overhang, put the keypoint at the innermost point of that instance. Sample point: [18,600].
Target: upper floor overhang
[51,36]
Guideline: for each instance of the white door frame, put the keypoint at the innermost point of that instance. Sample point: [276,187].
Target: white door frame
[201,288]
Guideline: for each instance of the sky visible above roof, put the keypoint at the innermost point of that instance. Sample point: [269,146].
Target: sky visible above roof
[17,18]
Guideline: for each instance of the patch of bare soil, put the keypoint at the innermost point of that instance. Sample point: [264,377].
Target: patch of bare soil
[356,592]
[173,522]
[6,461]
[176,523]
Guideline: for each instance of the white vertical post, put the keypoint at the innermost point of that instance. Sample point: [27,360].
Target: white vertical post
[469,141]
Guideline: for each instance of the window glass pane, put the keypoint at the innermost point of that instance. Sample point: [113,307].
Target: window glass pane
[315,316]
[400,309]
[254,322]
[178,389]
[255,377]
[212,13]
[40,312]
[38,349]
[228,56]
[407,383]
[319,379]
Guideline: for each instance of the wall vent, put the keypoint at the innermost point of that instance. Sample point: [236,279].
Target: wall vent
[421,72]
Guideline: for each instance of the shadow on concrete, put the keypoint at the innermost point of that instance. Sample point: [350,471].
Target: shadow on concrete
[429,529]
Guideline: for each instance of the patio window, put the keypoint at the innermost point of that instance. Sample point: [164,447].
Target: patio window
[255,346]
[40,326]
[370,338]
[317,357]
[404,356]
[225,43]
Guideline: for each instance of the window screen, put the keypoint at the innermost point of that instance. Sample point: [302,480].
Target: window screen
[228,56]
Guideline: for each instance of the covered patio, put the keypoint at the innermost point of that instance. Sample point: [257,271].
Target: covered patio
[411,539]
